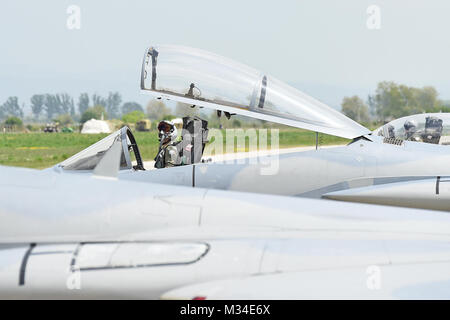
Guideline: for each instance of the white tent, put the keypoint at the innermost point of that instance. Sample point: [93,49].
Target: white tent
[95,126]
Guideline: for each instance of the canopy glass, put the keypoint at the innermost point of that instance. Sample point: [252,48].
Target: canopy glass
[426,127]
[205,79]
[88,158]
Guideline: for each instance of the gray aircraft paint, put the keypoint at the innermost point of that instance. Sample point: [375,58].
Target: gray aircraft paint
[303,173]
[70,225]
[415,193]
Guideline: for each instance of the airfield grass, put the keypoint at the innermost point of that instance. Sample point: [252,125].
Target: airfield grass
[42,150]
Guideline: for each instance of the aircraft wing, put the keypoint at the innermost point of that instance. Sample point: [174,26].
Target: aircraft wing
[204,79]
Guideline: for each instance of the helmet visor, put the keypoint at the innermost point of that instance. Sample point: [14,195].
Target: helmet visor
[164,126]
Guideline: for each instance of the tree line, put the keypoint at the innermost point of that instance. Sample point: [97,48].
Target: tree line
[391,101]
[50,106]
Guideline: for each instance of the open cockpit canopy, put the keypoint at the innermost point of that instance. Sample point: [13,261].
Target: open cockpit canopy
[426,127]
[90,157]
[205,79]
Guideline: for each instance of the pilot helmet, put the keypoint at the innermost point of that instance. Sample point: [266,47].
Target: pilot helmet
[410,124]
[167,131]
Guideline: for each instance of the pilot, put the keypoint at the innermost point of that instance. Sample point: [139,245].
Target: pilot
[168,153]
[390,131]
[410,128]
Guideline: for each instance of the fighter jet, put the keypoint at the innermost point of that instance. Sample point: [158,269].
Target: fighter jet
[205,79]
[91,236]
[100,226]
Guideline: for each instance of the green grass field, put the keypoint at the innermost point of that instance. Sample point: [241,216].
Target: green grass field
[42,150]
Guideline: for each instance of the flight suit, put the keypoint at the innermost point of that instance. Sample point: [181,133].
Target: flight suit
[171,157]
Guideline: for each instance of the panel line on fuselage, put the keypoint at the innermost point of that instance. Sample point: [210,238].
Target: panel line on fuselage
[23,265]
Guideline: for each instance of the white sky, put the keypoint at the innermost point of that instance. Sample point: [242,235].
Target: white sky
[322,47]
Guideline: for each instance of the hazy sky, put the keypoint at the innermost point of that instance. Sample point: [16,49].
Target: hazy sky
[323,48]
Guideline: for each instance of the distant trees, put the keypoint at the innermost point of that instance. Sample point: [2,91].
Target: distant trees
[98,100]
[113,103]
[11,108]
[157,110]
[83,102]
[13,121]
[133,116]
[392,100]
[355,108]
[96,112]
[52,105]
[66,103]
[128,107]
[64,119]
[37,104]
[61,106]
